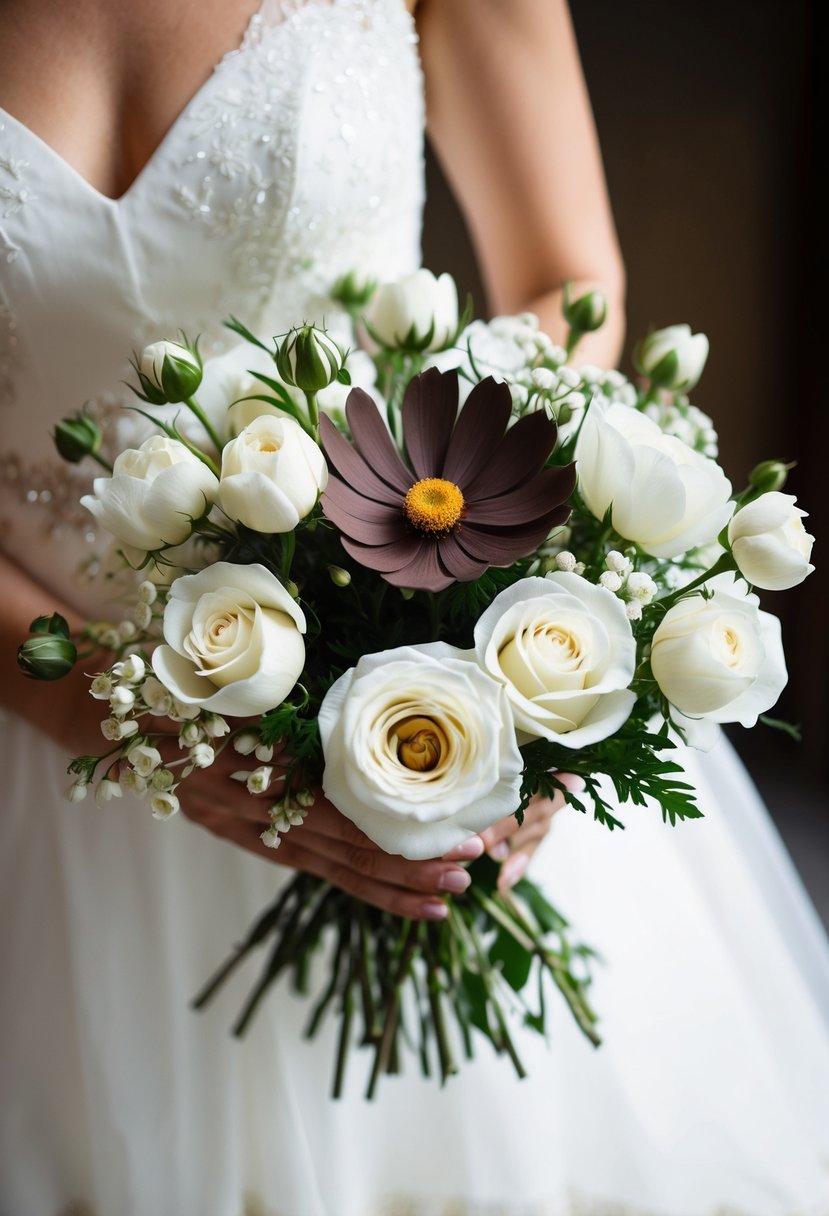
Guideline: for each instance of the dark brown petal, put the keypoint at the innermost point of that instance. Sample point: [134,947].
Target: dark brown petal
[351,500]
[424,572]
[459,563]
[478,432]
[350,465]
[548,489]
[522,453]
[373,441]
[385,557]
[500,546]
[375,525]
[430,407]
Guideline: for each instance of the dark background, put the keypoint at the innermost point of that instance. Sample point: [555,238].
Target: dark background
[710,120]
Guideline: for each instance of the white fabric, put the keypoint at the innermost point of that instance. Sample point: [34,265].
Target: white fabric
[298,159]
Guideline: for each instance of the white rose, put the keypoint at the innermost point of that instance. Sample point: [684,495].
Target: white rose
[769,543]
[420,750]
[234,640]
[154,493]
[719,658]
[672,357]
[661,494]
[418,312]
[272,475]
[565,652]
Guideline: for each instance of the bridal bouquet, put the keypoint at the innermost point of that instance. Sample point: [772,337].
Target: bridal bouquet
[429,593]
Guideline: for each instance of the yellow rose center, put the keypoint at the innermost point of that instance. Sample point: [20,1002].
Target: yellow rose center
[421,744]
[433,505]
[268,445]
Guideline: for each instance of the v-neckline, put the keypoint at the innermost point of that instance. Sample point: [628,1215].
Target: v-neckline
[123,199]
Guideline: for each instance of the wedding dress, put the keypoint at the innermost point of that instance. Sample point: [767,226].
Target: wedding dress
[300,158]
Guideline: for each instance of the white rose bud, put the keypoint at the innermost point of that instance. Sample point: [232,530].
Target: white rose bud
[719,658]
[189,735]
[309,359]
[164,804]
[417,313]
[673,357]
[153,495]
[142,614]
[769,543]
[272,475]
[543,379]
[168,372]
[660,493]
[234,640]
[146,592]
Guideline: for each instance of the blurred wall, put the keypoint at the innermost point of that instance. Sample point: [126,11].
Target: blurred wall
[707,114]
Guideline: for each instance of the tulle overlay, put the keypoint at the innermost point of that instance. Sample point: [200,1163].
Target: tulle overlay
[300,158]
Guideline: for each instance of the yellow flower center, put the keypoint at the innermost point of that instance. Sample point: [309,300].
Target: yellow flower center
[421,744]
[434,505]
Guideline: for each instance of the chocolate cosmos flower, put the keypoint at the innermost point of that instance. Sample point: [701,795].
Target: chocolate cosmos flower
[477,494]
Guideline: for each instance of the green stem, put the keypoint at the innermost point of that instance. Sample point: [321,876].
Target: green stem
[288,550]
[313,414]
[383,1054]
[573,338]
[721,566]
[194,407]
[101,461]
[651,397]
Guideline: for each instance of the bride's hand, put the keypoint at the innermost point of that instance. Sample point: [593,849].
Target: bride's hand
[514,845]
[327,845]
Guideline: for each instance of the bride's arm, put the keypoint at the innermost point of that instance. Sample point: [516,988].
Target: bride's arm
[509,117]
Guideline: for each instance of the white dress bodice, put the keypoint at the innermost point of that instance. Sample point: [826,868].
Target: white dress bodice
[300,158]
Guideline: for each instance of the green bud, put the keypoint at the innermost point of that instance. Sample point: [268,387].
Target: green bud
[309,359]
[672,358]
[769,475]
[339,577]
[47,657]
[353,291]
[77,437]
[168,372]
[54,623]
[587,313]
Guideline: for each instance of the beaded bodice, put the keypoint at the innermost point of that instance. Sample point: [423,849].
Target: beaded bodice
[299,159]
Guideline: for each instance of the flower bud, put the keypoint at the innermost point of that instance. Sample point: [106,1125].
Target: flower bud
[163,804]
[672,358]
[339,577]
[107,790]
[309,359]
[77,437]
[47,656]
[54,624]
[353,291]
[168,372]
[769,543]
[587,313]
[77,790]
[417,313]
[768,476]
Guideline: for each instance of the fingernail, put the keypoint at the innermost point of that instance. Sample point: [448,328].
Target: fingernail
[467,851]
[512,870]
[433,909]
[454,881]
[500,851]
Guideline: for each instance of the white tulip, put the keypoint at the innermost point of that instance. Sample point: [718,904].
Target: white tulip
[234,640]
[661,494]
[420,750]
[153,495]
[769,543]
[719,658]
[564,650]
[672,357]
[417,312]
[272,475]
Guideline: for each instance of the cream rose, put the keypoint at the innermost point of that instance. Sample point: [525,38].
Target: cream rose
[417,312]
[564,650]
[272,475]
[234,640]
[719,658]
[770,544]
[660,493]
[420,750]
[153,495]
